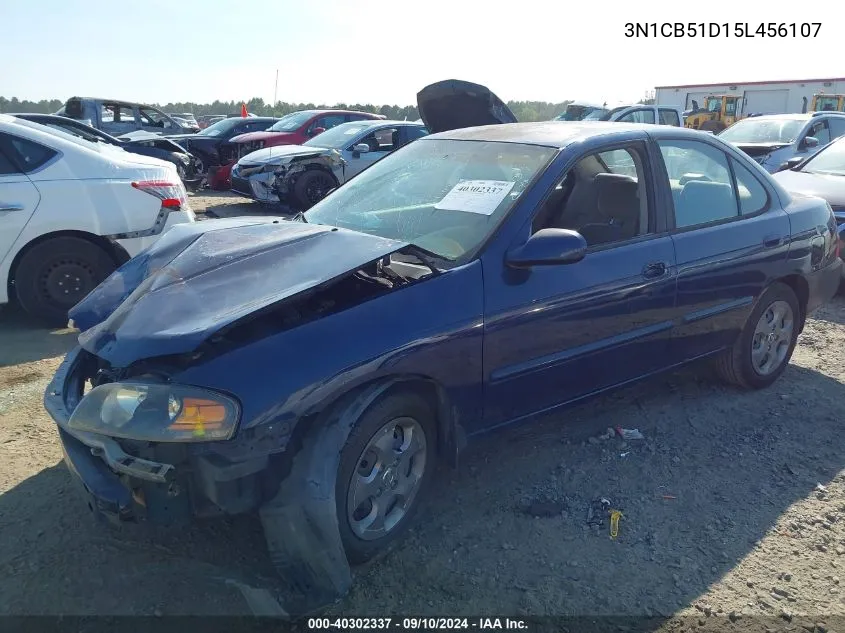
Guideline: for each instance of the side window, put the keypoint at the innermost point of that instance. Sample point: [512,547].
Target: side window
[837,127]
[26,155]
[6,166]
[602,202]
[382,140]
[643,115]
[701,183]
[669,117]
[821,132]
[413,133]
[117,113]
[730,107]
[356,117]
[752,195]
[329,121]
[151,118]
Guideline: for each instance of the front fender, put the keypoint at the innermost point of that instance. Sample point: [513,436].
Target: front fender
[429,332]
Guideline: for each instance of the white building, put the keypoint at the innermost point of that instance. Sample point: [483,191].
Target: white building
[761,97]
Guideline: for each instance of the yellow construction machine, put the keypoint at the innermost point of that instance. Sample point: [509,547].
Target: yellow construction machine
[718,113]
[828,103]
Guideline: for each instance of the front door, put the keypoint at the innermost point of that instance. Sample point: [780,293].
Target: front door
[379,144]
[556,333]
[727,232]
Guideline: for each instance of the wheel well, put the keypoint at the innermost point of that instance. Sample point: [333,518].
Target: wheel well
[117,253]
[428,389]
[802,291]
[321,168]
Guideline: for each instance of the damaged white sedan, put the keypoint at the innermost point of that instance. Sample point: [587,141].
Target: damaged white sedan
[301,175]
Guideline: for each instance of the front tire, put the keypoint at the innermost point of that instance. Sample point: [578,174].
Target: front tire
[56,274]
[385,468]
[311,187]
[763,349]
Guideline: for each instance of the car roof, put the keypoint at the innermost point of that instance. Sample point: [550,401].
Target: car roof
[783,117]
[379,123]
[559,134]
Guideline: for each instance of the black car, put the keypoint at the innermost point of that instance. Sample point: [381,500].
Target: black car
[212,146]
[189,168]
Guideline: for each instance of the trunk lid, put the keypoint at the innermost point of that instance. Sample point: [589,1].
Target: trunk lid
[453,104]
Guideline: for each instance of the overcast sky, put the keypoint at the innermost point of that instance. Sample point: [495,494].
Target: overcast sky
[327,51]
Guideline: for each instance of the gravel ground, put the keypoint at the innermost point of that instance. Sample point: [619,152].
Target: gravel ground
[732,506]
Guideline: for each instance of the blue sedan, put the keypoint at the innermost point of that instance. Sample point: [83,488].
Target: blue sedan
[316,370]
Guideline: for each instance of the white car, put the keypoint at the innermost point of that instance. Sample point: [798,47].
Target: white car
[71,211]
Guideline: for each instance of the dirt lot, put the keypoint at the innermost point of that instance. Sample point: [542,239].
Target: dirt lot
[733,504]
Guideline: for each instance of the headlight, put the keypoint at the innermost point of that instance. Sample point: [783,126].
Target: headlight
[156,413]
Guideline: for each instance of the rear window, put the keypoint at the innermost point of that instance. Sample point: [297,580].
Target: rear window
[25,154]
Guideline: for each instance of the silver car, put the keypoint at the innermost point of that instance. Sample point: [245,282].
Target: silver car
[302,175]
[775,139]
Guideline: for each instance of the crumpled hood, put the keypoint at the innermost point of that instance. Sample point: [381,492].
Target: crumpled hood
[829,187]
[276,152]
[201,277]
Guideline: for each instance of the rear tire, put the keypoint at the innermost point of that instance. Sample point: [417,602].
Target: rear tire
[763,349]
[311,187]
[58,273]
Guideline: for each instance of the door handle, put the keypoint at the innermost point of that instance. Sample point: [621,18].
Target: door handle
[11,207]
[772,241]
[655,269]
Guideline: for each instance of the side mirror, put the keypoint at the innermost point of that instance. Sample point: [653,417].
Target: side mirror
[792,163]
[317,130]
[809,142]
[360,148]
[547,247]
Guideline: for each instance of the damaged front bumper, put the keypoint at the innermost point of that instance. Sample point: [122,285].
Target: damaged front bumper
[294,497]
[162,483]
[255,185]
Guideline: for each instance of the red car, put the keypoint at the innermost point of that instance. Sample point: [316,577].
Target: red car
[297,127]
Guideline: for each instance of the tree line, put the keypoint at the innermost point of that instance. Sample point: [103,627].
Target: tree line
[524,110]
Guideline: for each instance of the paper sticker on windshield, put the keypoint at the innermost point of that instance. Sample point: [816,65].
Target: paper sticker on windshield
[353,130]
[476,196]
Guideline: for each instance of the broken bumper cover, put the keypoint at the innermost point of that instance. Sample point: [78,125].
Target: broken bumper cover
[123,486]
[257,186]
[299,518]
[97,461]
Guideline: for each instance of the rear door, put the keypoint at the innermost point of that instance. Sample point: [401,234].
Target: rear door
[18,196]
[729,234]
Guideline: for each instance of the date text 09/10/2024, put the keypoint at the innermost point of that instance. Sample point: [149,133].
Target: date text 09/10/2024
[723,29]
[416,624]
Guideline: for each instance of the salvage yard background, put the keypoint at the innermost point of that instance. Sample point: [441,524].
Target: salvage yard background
[733,505]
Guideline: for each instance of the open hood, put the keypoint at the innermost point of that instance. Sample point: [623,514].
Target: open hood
[198,280]
[453,104]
